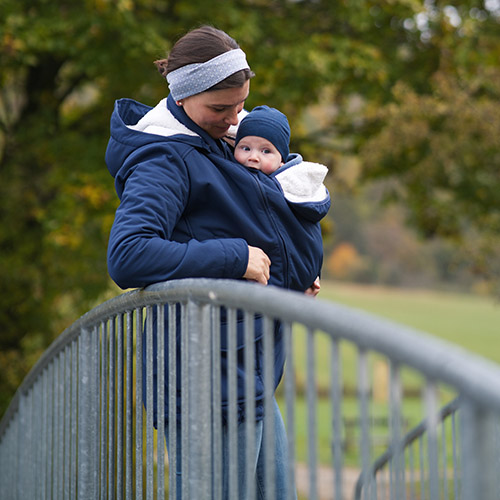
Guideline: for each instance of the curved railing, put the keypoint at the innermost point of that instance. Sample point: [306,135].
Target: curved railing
[74,430]
[415,438]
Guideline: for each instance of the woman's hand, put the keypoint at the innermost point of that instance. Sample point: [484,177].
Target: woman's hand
[314,288]
[259,264]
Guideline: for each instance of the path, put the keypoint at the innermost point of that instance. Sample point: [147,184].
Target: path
[325,482]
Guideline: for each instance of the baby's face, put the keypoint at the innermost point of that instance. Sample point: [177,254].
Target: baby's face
[257,152]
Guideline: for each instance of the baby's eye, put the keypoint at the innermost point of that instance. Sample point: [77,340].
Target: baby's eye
[244,148]
[266,151]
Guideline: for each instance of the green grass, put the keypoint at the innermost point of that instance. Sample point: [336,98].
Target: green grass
[470,321]
[351,436]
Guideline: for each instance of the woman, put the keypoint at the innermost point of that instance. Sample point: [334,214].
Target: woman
[187,209]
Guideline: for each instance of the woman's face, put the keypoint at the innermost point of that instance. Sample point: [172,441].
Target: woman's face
[215,111]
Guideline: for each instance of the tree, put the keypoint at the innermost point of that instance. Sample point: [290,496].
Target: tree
[440,145]
[63,63]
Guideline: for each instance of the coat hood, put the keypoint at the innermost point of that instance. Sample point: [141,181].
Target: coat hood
[135,125]
[303,187]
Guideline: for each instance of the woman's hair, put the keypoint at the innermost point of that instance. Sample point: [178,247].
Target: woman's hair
[199,46]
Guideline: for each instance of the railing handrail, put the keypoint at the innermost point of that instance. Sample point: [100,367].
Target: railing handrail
[474,376]
[81,405]
[478,378]
[410,437]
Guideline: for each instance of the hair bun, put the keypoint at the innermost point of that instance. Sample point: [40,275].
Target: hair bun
[161,65]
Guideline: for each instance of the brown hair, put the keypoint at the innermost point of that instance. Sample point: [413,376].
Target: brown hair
[199,46]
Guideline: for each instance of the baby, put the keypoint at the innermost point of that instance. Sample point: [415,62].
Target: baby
[262,142]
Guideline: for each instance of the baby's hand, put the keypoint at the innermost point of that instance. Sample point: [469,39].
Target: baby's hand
[314,289]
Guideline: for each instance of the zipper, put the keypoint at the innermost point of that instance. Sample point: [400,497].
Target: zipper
[284,251]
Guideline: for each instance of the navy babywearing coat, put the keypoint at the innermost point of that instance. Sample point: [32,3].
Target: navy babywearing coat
[187,209]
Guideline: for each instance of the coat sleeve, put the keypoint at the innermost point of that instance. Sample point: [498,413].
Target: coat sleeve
[141,250]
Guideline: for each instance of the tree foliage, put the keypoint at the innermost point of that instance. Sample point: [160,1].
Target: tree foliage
[440,147]
[409,87]
[62,64]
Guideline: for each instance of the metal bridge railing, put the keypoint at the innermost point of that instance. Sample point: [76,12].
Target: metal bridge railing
[77,427]
[412,456]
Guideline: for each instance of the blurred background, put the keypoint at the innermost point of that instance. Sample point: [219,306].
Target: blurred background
[400,98]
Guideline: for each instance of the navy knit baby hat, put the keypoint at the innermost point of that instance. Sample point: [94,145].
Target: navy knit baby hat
[268,123]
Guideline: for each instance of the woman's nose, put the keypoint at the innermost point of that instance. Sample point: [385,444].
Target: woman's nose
[232,117]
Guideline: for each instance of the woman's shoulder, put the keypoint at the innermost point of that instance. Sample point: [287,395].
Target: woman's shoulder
[138,127]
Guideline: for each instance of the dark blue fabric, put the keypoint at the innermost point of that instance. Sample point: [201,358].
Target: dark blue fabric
[187,209]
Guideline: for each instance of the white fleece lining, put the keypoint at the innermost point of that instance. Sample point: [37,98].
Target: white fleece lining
[160,121]
[300,183]
[304,182]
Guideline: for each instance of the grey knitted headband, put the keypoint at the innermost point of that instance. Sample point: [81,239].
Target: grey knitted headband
[195,78]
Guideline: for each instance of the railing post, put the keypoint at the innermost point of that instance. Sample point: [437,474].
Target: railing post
[479,453]
[24,470]
[19,480]
[50,434]
[199,397]
[85,482]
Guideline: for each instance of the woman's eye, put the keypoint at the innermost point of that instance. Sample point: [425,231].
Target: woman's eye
[218,110]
